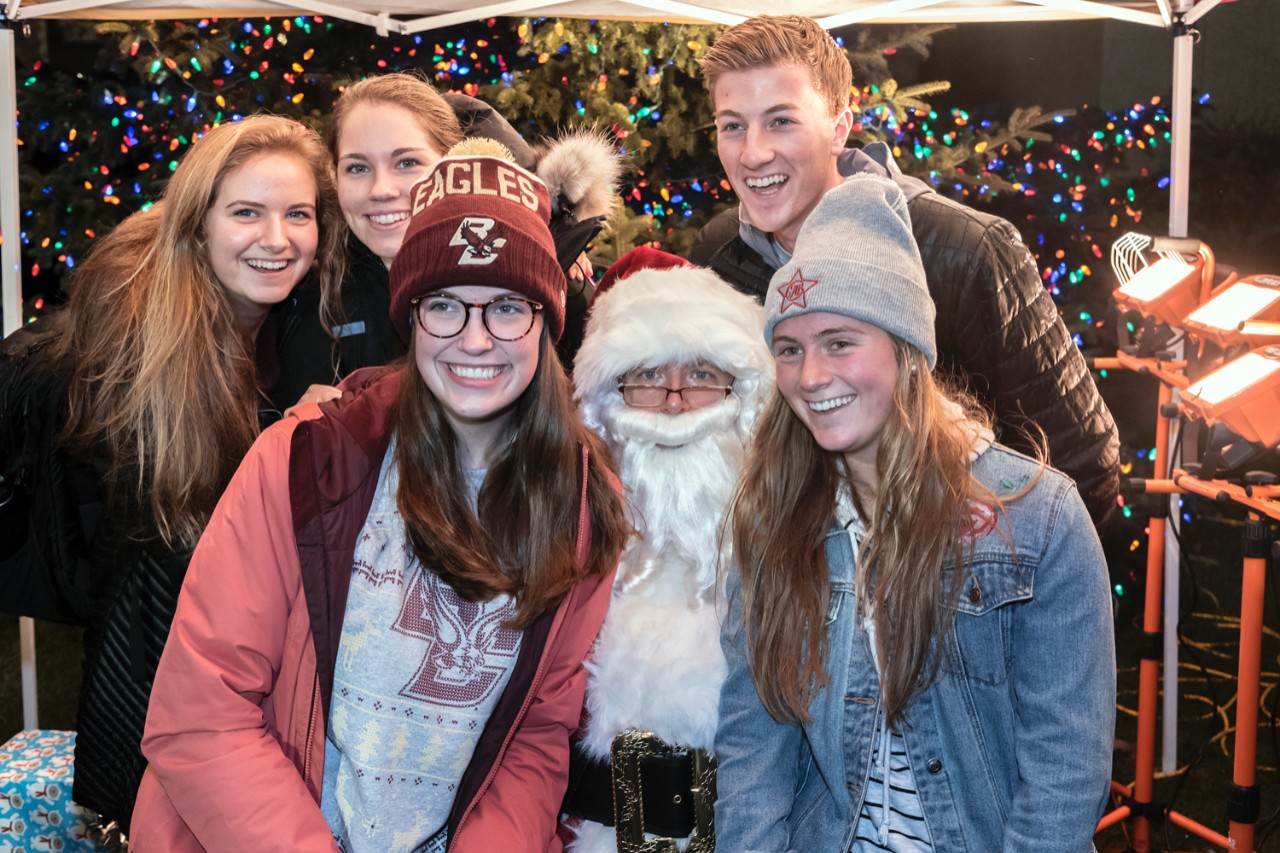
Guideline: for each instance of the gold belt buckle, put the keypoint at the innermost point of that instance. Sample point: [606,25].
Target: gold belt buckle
[628,751]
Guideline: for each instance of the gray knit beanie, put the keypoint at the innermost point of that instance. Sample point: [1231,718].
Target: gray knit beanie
[856,256]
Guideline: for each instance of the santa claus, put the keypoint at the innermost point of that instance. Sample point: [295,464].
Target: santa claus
[673,373]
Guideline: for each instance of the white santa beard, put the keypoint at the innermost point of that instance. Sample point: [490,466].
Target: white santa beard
[625,424]
[678,472]
[657,665]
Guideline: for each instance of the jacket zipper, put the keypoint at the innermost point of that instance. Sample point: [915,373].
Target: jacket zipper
[311,727]
[582,508]
[534,686]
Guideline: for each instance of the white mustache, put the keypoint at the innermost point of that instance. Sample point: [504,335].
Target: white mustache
[624,424]
[678,482]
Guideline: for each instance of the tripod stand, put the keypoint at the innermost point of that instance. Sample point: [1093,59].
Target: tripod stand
[1260,497]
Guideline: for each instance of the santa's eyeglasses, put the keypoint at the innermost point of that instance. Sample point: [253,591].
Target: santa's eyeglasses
[655,396]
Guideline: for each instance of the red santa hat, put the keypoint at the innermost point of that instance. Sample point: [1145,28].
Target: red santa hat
[639,258]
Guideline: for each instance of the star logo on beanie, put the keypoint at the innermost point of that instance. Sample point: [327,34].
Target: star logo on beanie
[481,239]
[793,292]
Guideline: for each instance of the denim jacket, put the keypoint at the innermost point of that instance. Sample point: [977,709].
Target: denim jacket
[1010,744]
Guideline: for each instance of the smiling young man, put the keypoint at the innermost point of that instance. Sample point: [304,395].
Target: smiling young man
[781,90]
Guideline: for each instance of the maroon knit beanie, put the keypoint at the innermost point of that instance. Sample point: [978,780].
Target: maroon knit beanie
[479,220]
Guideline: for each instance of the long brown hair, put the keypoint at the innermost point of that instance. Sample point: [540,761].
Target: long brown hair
[522,540]
[163,379]
[784,508]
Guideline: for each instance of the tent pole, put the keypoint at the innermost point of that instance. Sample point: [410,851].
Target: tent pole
[10,263]
[1179,193]
[10,244]
[1180,160]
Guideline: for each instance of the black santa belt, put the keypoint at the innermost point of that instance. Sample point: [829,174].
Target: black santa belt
[649,787]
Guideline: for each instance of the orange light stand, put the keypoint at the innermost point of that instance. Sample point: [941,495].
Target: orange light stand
[1242,794]
[1242,797]
[1149,665]
[1136,807]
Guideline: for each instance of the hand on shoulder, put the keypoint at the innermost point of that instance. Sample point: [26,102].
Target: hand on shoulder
[314,394]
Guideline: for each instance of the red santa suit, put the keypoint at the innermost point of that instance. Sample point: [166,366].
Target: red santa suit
[657,665]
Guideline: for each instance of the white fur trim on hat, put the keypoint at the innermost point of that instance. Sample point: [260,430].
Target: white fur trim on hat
[681,315]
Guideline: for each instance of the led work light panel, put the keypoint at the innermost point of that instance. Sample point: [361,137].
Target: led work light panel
[1222,318]
[1244,395]
[1165,290]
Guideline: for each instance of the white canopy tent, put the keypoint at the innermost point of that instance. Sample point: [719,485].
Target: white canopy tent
[415,16]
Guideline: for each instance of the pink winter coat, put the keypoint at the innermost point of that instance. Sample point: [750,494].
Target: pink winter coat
[235,730]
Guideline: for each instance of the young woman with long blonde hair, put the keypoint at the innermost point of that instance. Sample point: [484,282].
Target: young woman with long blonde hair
[919,636]
[165,362]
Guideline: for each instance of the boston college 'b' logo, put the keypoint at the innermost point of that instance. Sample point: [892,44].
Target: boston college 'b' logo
[468,646]
[480,239]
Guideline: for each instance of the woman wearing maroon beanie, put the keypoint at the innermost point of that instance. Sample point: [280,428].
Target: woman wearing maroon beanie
[380,642]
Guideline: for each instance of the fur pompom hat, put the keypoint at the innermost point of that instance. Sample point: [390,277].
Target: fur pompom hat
[581,170]
[667,311]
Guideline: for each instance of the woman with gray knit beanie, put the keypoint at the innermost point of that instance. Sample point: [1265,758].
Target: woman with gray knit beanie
[919,635]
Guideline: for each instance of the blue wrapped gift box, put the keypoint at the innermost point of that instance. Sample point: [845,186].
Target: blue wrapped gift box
[36,811]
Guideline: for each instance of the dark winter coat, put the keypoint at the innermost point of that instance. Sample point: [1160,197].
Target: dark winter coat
[102,565]
[996,325]
[364,334]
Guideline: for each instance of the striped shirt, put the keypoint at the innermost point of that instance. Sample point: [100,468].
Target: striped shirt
[892,816]
[908,832]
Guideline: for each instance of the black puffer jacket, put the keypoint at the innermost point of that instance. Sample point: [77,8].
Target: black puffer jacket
[114,575]
[996,325]
[365,338]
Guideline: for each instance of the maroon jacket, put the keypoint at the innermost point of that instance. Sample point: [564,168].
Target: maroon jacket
[235,731]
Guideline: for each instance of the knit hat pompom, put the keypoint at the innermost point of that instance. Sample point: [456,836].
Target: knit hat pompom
[481,146]
[855,255]
[479,219]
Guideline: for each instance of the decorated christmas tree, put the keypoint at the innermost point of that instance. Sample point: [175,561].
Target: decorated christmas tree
[107,109]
